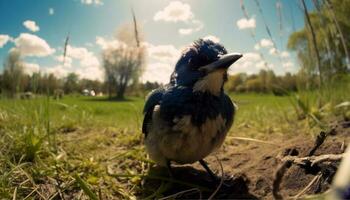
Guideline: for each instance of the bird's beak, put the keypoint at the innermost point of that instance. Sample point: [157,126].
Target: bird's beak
[224,62]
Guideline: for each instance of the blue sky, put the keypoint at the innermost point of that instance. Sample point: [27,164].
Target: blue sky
[38,29]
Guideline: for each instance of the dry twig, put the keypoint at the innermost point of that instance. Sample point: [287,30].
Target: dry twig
[221,181]
[281,170]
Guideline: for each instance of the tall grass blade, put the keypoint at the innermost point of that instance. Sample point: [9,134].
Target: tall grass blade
[83,185]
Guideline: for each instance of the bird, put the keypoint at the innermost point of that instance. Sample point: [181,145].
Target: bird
[188,118]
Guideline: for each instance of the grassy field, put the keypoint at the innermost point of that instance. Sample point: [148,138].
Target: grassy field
[84,146]
[128,113]
[99,112]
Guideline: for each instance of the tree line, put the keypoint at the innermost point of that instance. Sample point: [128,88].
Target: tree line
[14,82]
[264,82]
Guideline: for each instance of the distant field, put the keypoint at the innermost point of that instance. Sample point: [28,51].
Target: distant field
[99,112]
[79,110]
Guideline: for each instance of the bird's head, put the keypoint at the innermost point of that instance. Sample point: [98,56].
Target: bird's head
[203,66]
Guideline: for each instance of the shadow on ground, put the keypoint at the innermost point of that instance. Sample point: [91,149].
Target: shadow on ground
[190,183]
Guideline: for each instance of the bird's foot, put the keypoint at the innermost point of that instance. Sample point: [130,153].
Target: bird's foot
[170,170]
[226,180]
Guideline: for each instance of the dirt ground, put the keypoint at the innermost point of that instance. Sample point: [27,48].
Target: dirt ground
[249,168]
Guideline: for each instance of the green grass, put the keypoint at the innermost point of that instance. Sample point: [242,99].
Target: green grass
[98,112]
[78,145]
[79,110]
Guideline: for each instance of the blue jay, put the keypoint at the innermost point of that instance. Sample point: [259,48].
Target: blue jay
[188,118]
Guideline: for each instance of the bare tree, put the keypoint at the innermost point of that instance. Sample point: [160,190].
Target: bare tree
[13,74]
[123,63]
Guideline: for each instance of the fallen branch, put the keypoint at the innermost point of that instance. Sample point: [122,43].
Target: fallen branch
[312,160]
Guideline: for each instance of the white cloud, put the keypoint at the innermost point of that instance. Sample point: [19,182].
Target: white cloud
[177,11]
[250,56]
[288,65]
[67,60]
[257,46]
[30,68]
[108,44]
[160,62]
[92,73]
[248,60]
[245,23]
[273,51]
[4,39]
[86,57]
[163,53]
[159,72]
[250,63]
[92,2]
[197,26]
[285,54]
[31,25]
[261,64]
[57,70]
[76,52]
[212,38]
[90,67]
[266,43]
[185,31]
[51,11]
[31,45]
[174,12]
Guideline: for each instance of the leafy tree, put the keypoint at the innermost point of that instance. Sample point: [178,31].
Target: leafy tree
[50,83]
[71,83]
[331,27]
[264,82]
[235,81]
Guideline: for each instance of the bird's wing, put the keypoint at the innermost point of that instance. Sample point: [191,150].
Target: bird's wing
[176,102]
[228,110]
[152,100]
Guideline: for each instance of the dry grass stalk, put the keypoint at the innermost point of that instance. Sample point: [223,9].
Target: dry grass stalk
[221,181]
[253,140]
[307,188]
